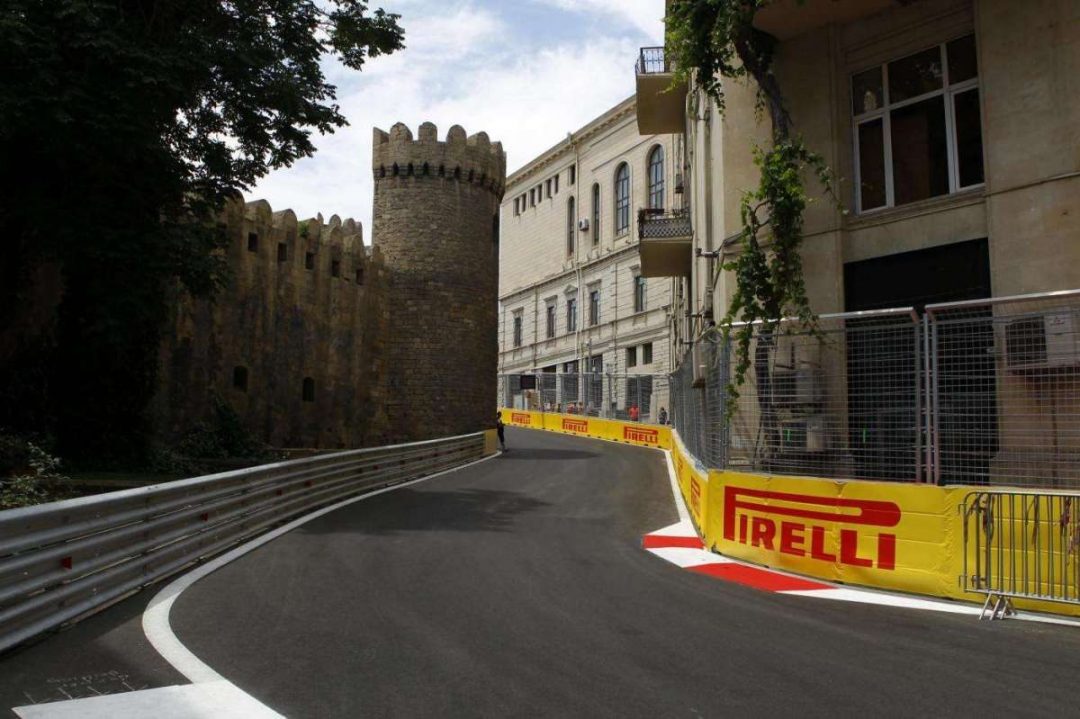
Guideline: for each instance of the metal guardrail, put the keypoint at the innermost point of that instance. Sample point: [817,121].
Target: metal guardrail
[658,224]
[1021,544]
[62,560]
[653,61]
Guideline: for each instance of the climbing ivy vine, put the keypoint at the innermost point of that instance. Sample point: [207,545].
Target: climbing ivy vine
[715,41]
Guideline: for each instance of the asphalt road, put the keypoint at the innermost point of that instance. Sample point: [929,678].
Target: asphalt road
[517,587]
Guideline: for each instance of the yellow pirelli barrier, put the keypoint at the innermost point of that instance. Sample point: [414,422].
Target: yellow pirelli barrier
[884,535]
[643,435]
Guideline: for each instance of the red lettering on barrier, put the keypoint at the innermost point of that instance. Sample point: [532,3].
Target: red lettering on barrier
[695,495]
[791,538]
[762,532]
[575,425]
[520,418]
[641,434]
[763,510]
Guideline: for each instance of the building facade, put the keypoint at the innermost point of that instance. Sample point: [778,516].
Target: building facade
[572,296]
[953,129]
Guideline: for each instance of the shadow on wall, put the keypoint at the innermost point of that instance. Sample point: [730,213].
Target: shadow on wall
[466,510]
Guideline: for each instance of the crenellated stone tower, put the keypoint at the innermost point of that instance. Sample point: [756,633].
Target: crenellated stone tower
[435,222]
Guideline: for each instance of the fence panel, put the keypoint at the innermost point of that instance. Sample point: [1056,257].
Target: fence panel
[1006,391]
[594,394]
[1022,545]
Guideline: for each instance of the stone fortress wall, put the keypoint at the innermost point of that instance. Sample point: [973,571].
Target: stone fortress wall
[321,341]
[436,224]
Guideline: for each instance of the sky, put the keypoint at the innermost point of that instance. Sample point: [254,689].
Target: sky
[527,72]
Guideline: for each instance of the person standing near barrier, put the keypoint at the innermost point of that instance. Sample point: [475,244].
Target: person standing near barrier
[500,428]
[662,419]
[634,413]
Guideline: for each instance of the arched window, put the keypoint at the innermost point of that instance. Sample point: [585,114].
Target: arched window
[570,221]
[656,178]
[596,214]
[622,199]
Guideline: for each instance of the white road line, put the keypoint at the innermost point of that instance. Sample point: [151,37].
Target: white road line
[207,700]
[680,506]
[156,617]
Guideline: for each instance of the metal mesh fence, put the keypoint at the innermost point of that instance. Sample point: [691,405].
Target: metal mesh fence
[976,393]
[610,396]
[1004,387]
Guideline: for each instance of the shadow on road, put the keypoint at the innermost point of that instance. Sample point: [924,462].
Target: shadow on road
[465,510]
[533,453]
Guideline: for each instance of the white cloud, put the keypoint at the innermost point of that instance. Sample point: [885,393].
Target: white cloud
[645,15]
[463,65]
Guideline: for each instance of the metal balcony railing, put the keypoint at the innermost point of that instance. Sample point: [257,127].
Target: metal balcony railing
[652,61]
[661,224]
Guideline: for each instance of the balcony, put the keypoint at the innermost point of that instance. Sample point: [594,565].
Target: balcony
[666,242]
[661,108]
[785,19]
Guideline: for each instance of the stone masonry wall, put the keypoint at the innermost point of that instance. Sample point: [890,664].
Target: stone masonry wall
[436,224]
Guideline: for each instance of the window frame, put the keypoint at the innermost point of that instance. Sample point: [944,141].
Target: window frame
[948,92]
[596,213]
[571,226]
[655,186]
[518,328]
[571,314]
[594,306]
[550,320]
[621,199]
[640,296]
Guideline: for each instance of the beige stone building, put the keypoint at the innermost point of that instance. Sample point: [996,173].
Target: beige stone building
[572,295]
[953,127]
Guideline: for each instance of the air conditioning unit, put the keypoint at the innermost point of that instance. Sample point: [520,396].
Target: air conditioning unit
[1044,342]
[797,386]
[806,434]
[583,224]
[699,358]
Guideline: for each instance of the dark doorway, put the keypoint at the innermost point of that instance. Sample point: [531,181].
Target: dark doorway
[883,379]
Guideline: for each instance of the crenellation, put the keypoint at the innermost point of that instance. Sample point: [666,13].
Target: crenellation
[474,159]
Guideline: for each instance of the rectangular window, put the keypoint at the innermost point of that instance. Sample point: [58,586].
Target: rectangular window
[631,357]
[309,260]
[532,197]
[549,188]
[917,126]
[571,314]
[335,268]
[556,184]
[282,252]
[594,307]
[573,174]
[517,330]
[253,242]
[646,353]
[551,321]
[639,293]
[517,211]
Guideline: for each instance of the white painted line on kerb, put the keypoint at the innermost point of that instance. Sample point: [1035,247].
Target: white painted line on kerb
[156,617]
[680,507]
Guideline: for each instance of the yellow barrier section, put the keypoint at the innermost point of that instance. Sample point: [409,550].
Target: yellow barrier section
[491,442]
[643,435]
[884,535]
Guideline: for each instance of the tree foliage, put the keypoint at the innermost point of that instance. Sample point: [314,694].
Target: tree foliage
[715,41]
[124,127]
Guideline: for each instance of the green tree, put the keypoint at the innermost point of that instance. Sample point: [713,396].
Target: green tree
[715,41]
[124,127]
